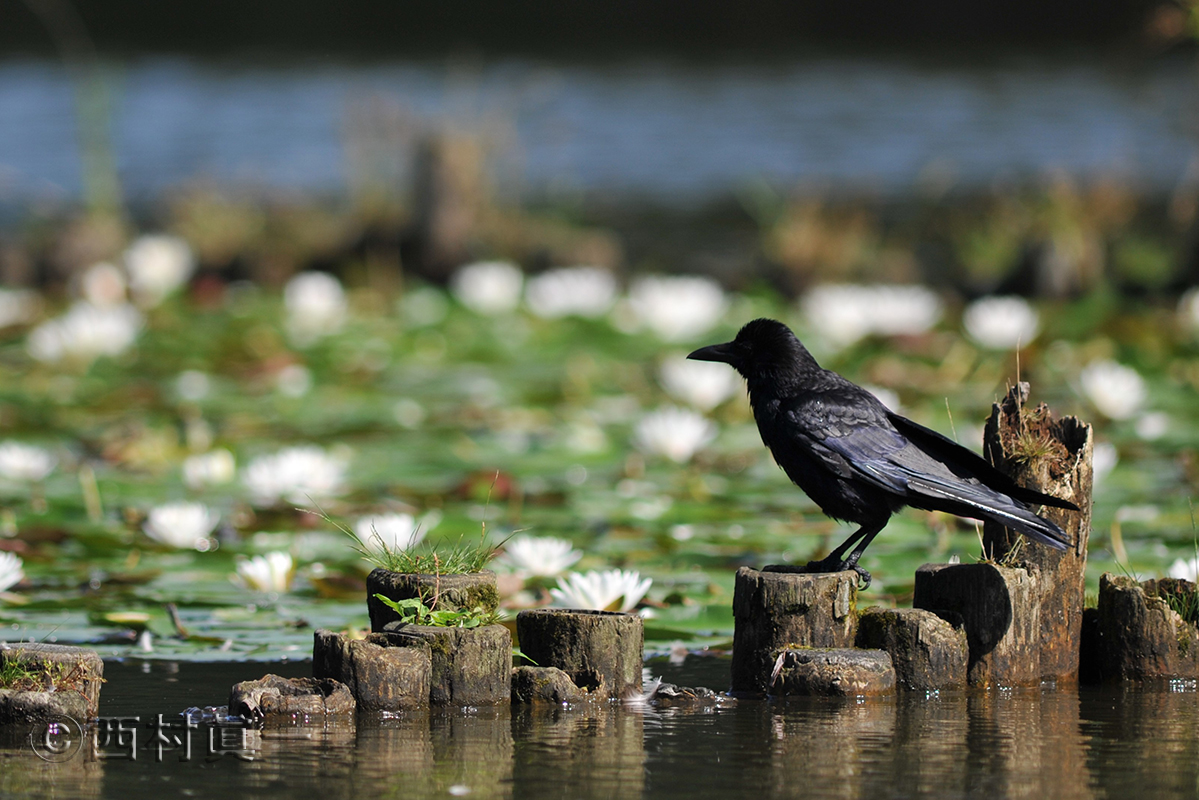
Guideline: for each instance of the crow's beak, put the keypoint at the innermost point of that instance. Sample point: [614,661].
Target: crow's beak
[715,352]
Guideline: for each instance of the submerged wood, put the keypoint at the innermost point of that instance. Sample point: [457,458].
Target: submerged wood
[1053,456]
[78,671]
[1137,635]
[461,592]
[601,651]
[381,677]
[1000,610]
[832,672]
[469,666]
[276,699]
[927,652]
[775,609]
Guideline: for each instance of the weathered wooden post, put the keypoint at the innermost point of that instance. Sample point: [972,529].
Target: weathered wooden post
[1053,456]
[600,651]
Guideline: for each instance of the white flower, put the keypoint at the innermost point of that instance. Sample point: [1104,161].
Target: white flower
[294,380]
[85,333]
[579,291]
[676,433]
[1001,323]
[296,474]
[158,265]
[845,313]
[270,573]
[18,306]
[541,556]
[103,284]
[1116,390]
[488,287]
[393,533]
[1153,425]
[25,462]
[193,385]
[1103,460]
[610,590]
[11,572]
[703,384]
[209,469]
[677,309]
[181,525]
[316,307]
[1186,569]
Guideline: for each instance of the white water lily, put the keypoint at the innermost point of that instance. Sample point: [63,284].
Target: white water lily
[1001,323]
[1186,569]
[488,287]
[18,306]
[316,306]
[845,313]
[702,384]
[103,284]
[1103,460]
[158,264]
[571,291]
[676,433]
[11,570]
[193,385]
[380,533]
[209,469]
[25,462]
[537,556]
[85,333]
[609,590]
[272,572]
[181,525]
[677,309]
[1117,391]
[296,474]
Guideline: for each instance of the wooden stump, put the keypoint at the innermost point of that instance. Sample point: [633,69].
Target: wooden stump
[470,666]
[832,672]
[76,672]
[276,699]
[999,608]
[381,677]
[1052,456]
[1138,636]
[774,610]
[474,590]
[601,651]
[928,653]
[545,685]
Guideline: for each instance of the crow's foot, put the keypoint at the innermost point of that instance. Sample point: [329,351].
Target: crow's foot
[837,565]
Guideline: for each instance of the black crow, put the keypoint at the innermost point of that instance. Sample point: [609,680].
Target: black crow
[859,461]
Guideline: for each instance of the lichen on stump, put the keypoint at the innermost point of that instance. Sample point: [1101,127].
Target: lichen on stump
[274,699]
[1000,610]
[1138,633]
[1053,456]
[381,677]
[469,666]
[461,592]
[545,685]
[75,673]
[832,672]
[928,653]
[774,610]
[601,651]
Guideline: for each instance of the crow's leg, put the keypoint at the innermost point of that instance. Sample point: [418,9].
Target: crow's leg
[836,561]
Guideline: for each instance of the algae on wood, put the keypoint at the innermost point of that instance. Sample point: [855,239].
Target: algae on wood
[458,592]
[381,677]
[470,666]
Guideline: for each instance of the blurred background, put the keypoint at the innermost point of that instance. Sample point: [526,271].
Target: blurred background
[453,253]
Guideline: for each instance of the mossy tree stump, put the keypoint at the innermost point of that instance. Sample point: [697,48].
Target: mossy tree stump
[469,666]
[460,592]
[381,677]
[832,672]
[1138,633]
[999,608]
[601,651]
[775,609]
[928,653]
[73,674]
[281,700]
[1052,456]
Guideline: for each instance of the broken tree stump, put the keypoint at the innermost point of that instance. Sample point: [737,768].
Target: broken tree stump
[470,666]
[280,700]
[545,685]
[832,672]
[381,677]
[1137,635]
[459,592]
[69,677]
[775,609]
[928,653]
[1052,456]
[999,608]
[601,651]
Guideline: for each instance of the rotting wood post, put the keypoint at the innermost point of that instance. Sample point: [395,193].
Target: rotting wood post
[776,609]
[1137,635]
[469,666]
[601,651]
[381,678]
[1052,456]
[456,592]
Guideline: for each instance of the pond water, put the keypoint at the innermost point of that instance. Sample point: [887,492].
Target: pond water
[1025,743]
[679,132]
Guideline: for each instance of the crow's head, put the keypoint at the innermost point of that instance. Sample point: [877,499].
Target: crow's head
[762,346]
